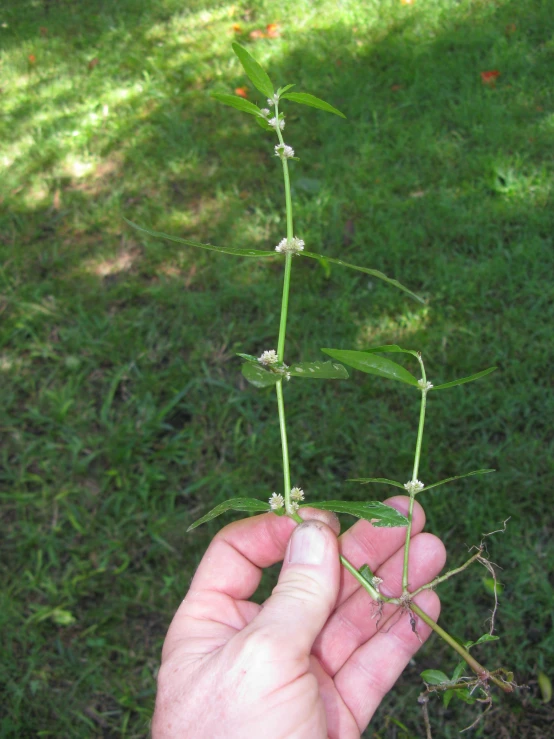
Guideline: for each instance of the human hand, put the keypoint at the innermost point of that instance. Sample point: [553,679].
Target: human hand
[311,662]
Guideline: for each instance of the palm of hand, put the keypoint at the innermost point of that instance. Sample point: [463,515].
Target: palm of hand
[309,663]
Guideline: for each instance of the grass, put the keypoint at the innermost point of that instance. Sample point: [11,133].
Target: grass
[124,416]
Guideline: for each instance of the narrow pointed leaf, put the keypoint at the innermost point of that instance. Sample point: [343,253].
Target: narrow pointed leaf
[447,697]
[281,90]
[222,249]
[377,513]
[373,364]
[257,75]
[248,357]
[318,370]
[262,123]
[456,477]
[366,270]
[239,103]
[481,640]
[434,677]
[391,349]
[365,480]
[258,376]
[463,380]
[458,672]
[250,505]
[304,98]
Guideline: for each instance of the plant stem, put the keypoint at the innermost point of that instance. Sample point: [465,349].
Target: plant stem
[412,492]
[365,584]
[447,575]
[477,668]
[282,333]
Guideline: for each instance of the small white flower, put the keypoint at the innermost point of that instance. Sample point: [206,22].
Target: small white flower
[273,122]
[287,376]
[414,486]
[376,582]
[294,507]
[273,100]
[424,385]
[265,112]
[276,501]
[268,357]
[284,151]
[290,246]
[297,494]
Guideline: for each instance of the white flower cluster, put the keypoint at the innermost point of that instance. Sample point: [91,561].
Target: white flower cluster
[284,151]
[273,100]
[276,501]
[424,385]
[297,494]
[268,357]
[265,112]
[273,122]
[290,246]
[414,486]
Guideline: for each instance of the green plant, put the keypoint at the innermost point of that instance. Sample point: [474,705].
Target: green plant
[270,370]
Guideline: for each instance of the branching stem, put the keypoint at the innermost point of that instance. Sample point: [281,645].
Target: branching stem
[447,575]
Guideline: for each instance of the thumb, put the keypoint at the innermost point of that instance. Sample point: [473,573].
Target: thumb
[307,589]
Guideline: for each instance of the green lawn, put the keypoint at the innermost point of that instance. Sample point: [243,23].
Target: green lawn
[124,414]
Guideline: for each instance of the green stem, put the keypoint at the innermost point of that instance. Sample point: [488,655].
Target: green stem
[282,333]
[412,492]
[477,668]
[365,584]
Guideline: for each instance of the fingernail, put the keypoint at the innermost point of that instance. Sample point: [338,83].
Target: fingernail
[307,545]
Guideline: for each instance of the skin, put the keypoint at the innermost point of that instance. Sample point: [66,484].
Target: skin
[312,661]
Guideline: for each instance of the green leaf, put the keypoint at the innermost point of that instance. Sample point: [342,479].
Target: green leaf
[250,505]
[366,270]
[304,98]
[466,696]
[456,477]
[318,371]
[373,364]
[221,249]
[239,103]
[377,513]
[392,349]
[258,376]
[256,74]
[459,671]
[366,573]
[248,357]
[281,90]
[463,380]
[486,638]
[365,480]
[262,123]
[447,697]
[434,677]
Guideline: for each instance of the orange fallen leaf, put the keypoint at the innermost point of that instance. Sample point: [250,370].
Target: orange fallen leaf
[236,28]
[511,28]
[43,31]
[257,34]
[272,30]
[395,88]
[489,78]
[93,62]
[32,59]
[242,92]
